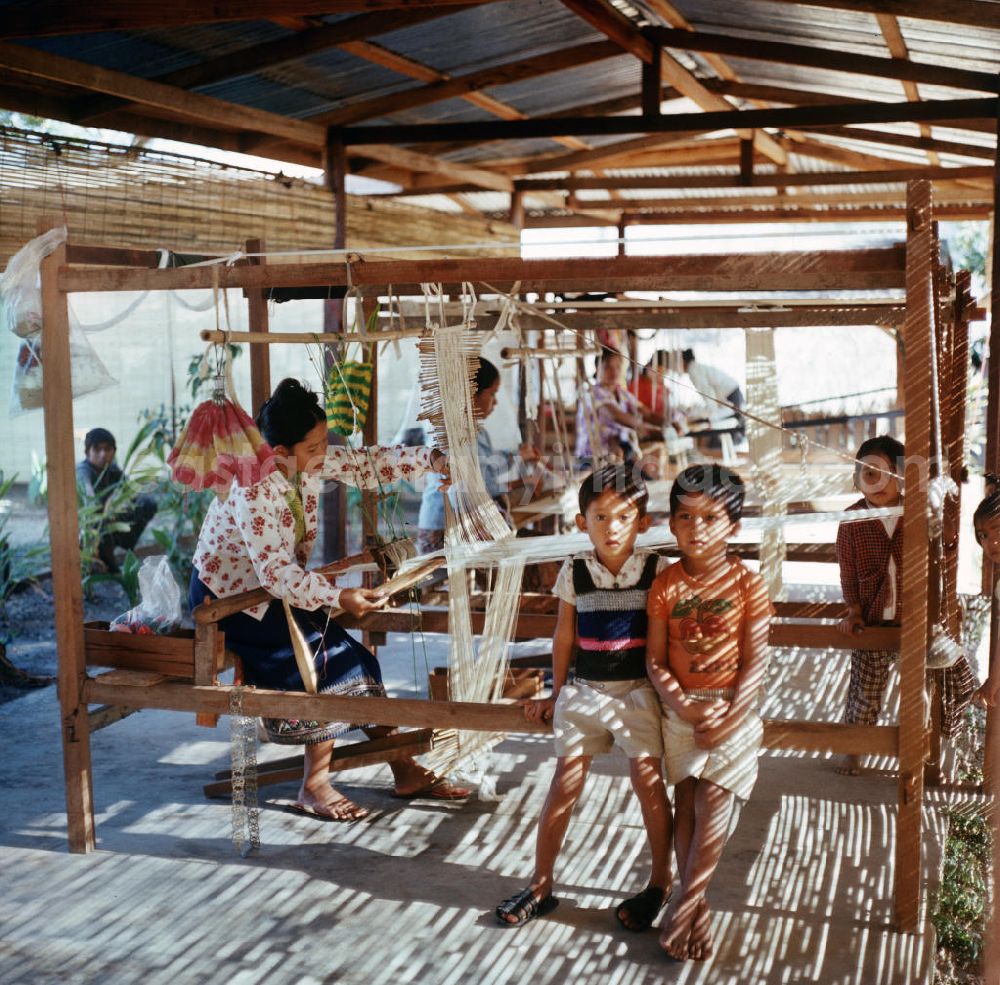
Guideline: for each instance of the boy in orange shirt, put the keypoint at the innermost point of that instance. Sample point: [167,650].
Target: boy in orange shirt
[706,654]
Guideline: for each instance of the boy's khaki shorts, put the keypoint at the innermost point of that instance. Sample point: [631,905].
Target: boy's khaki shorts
[731,765]
[592,717]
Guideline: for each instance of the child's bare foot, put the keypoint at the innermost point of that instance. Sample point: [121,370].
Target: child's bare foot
[849,766]
[327,803]
[700,941]
[677,934]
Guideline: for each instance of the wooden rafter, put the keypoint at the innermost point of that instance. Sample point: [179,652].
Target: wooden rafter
[973,13]
[410,160]
[807,145]
[624,33]
[896,43]
[892,139]
[49,17]
[826,57]
[203,109]
[258,57]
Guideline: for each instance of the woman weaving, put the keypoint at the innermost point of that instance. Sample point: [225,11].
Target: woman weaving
[262,536]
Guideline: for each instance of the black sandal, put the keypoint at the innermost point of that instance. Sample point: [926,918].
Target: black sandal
[524,907]
[642,908]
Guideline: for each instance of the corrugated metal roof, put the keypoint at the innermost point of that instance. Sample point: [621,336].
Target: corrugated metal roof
[492,34]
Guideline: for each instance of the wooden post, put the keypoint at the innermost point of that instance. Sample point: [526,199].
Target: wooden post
[64,537]
[258,321]
[652,84]
[746,161]
[991,769]
[335,500]
[516,217]
[766,448]
[918,330]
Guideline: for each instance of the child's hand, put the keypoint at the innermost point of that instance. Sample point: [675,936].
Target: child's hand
[989,694]
[697,713]
[851,626]
[538,709]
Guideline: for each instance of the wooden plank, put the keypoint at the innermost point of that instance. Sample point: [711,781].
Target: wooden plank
[277,51]
[259,322]
[858,740]
[64,538]
[353,755]
[707,122]
[974,13]
[917,334]
[51,17]
[801,179]
[885,213]
[820,270]
[888,138]
[413,161]
[205,109]
[827,57]
[209,650]
[107,715]
[451,88]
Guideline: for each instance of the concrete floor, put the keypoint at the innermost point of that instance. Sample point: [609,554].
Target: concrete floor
[803,892]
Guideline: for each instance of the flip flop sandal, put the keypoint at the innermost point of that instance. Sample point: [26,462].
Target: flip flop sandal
[306,811]
[642,908]
[524,907]
[438,789]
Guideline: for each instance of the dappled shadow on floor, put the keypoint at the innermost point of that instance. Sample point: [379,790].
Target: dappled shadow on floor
[803,892]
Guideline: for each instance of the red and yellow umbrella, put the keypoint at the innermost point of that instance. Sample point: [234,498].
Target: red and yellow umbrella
[219,446]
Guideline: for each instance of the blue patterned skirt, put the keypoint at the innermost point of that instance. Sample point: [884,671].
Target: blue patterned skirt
[343,666]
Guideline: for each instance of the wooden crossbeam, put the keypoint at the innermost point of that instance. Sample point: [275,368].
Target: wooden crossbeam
[797,116]
[624,33]
[258,57]
[801,179]
[889,138]
[826,57]
[204,109]
[893,35]
[450,88]
[413,161]
[50,17]
[819,270]
[973,13]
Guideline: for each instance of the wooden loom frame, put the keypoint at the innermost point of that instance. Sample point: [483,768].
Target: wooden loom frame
[915,269]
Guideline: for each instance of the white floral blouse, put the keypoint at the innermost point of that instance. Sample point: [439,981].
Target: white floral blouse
[248,540]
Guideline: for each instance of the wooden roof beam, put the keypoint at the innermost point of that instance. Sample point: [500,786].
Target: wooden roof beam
[892,139]
[402,157]
[972,13]
[50,17]
[750,119]
[827,58]
[445,87]
[801,179]
[623,32]
[889,26]
[193,106]
[258,57]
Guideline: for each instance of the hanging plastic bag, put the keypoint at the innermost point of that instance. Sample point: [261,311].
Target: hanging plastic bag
[21,297]
[159,609]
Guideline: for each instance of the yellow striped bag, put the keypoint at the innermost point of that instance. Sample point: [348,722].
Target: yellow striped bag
[348,392]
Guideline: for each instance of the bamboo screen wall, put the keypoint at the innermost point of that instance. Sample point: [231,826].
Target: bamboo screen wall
[135,198]
[121,196]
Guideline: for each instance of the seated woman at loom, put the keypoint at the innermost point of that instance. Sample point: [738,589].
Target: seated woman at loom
[609,423]
[261,536]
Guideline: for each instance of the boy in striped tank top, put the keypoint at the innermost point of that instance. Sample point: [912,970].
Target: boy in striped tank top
[602,625]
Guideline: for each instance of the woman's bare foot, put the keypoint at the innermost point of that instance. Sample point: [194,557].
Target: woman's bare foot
[700,940]
[328,803]
[849,766]
[676,936]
